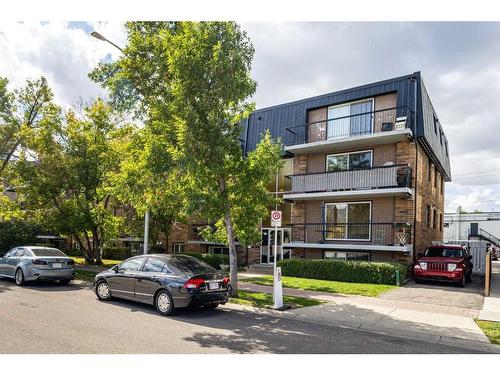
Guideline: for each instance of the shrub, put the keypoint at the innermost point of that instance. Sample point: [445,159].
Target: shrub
[15,233]
[344,270]
[115,253]
[215,260]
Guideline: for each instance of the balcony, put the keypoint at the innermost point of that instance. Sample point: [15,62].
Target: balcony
[362,236]
[341,133]
[391,180]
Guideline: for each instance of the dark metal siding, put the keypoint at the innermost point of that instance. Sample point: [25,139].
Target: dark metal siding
[278,118]
[434,142]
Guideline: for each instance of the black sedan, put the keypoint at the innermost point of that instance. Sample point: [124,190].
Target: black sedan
[165,281]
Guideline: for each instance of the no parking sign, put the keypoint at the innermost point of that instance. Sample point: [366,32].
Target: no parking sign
[276,218]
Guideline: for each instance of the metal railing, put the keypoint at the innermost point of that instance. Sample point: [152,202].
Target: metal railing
[371,122]
[388,234]
[390,176]
[490,237]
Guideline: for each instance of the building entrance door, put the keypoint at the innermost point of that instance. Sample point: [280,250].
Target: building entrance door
[267,247]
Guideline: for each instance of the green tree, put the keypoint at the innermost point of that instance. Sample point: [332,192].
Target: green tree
[192,81]
[21,111]
[65,175]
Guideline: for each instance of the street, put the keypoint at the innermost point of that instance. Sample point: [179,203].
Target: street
[46,318]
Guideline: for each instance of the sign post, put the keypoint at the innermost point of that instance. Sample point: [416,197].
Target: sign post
[277,285]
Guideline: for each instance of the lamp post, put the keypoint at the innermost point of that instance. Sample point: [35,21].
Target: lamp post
[101,37]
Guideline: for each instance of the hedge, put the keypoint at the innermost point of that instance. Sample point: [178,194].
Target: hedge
[215,260]
[344,270]
[115,253]
[15,233]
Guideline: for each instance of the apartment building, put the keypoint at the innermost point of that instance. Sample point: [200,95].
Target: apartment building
[364,173]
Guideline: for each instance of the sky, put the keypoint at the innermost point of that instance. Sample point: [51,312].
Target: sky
[460,63]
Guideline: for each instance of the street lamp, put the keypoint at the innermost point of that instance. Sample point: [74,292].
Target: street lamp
[99,36]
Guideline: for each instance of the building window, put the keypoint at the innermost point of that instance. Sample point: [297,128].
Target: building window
[428,215]
[220,250]
[429,167]
[441,136]
[350,119]
[338,255]
[440,222]
[178,247]
[436,174]
[435,124]
[434,219]
[446,225]
[442,185]
[348,221]
[351,160]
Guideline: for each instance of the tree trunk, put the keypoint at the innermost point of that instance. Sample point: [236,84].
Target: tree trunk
[83,249]
[89,250]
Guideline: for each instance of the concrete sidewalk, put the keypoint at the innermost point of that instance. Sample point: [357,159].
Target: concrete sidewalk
[491,307]
[437,324]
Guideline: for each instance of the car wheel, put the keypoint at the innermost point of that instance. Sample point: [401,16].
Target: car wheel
[102,291]
[65,281]
[469,277]
[20,277]
[463,281]
[164,302]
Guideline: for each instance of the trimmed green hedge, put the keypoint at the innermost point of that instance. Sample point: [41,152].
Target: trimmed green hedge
[115,253]
[215,260]
[344,270]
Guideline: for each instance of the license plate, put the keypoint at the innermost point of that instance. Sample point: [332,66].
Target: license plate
[213,286]
[56,265]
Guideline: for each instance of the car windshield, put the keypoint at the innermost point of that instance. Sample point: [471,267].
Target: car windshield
[191,265]
[443,252]
[47,252]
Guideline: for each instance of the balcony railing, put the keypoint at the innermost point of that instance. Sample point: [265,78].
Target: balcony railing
[379,121]
[391,176]
[385,234]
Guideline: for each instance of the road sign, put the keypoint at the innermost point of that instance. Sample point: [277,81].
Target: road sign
[276,218]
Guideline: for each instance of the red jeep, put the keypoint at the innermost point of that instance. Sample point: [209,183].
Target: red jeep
[445,263]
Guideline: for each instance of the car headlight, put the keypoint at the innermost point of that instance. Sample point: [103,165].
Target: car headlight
[452,267]
[423,265]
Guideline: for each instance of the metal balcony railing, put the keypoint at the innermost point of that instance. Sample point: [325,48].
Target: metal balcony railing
[387,234]
[379,121]
[391,176]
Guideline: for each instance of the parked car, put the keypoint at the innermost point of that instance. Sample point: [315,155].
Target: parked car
[27,263]
[451,263]
[165,281]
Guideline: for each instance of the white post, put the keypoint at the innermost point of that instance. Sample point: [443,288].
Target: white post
[146,232]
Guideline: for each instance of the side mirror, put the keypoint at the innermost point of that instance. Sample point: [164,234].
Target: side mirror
[115,268]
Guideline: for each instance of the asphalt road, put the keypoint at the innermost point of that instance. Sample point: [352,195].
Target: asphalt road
[69,319]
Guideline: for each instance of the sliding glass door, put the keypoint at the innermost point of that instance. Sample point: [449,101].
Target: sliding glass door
[350,119]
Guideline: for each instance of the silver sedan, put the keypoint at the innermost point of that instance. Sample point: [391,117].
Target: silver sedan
[27,263]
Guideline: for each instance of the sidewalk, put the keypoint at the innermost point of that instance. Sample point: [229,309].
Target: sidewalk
[437,324]
[491,307]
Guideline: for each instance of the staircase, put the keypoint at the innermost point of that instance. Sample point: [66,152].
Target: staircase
[486,236]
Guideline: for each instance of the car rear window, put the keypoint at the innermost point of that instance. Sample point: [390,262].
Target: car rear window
[48,252]
[189,264]
[443,252]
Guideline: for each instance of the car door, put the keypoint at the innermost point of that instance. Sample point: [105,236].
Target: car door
[12,262]
[148,280]
[4,265]
[122,281]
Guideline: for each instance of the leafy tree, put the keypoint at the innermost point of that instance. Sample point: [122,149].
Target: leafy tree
[17,232]
[192,81]
[65,175]
[20,112]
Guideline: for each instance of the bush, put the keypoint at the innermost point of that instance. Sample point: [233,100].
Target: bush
[15,233]
[344,270]
[73,252]
[215,260]
[115,253]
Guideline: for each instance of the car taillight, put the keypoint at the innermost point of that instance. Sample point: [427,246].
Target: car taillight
[225,280]
[70,262]
[39,262]
[194,283]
